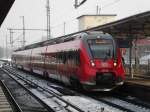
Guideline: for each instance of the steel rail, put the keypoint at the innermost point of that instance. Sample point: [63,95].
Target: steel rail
[139,92]
[46,90]
[102,100]
[138,105]
[113,105]
[135,101]
[10,97]
[38,99]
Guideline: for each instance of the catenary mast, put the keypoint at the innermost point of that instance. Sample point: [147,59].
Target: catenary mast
[48,20]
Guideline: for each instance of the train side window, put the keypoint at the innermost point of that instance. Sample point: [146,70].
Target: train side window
[69,55]
[77,57]
[56,58]
[60,57]
[64,57]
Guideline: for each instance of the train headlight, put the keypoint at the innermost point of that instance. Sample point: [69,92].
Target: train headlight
[92,63]
[115,64]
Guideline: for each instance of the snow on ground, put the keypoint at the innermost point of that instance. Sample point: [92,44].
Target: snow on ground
[90,105]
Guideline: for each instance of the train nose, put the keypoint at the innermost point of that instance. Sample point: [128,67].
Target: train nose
[103,78]
[108,79]
[100,64]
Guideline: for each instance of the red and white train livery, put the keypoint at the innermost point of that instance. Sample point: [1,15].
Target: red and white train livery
[91,60]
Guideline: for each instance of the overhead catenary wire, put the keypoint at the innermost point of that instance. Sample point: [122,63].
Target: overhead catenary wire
[110,4]
[48,20]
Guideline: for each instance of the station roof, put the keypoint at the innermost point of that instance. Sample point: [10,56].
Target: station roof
[5,6]
[136,26]
[143,42]
[127,29]
[96,15]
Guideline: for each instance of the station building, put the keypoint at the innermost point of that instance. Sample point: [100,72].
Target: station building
[90,21]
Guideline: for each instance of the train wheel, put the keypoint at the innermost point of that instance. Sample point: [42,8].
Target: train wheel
[22,68]
[75,83]
[45,74]
[31,70]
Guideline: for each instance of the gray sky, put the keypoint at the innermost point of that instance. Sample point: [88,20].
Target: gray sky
[62,11]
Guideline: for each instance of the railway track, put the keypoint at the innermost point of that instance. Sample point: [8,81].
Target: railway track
[43,94]
[131,98]
[8,104]
[124,101]
[4,105]
[25,101]
[83,103]
[123,104]
[110,102]
[138,88]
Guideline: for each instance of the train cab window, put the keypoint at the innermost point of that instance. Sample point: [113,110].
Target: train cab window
[101,48]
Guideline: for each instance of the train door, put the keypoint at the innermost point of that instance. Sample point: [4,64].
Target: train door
[38,60]
[71,65]
[65,66]
[50,63]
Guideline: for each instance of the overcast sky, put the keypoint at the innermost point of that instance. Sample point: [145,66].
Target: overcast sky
[62,11]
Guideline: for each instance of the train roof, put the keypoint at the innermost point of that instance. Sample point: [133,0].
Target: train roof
[66,38]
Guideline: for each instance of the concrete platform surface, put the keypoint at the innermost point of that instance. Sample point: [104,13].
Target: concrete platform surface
[138,81]
[4,104]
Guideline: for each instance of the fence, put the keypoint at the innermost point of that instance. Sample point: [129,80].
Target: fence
[140,60]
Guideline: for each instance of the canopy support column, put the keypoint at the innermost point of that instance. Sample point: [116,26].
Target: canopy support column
[130,60]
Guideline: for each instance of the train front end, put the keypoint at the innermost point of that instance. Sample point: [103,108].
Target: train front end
[104,69]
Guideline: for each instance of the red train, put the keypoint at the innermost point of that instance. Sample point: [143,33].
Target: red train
[90,60]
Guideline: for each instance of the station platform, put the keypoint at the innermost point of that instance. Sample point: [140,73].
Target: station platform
[4,104]
[139,80]
[138,86]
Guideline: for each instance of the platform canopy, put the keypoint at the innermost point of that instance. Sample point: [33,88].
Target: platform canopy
[127,29]
[5,6]
[124,30]
[136,26]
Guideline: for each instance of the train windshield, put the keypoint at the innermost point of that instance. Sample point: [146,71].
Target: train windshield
[101,48]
